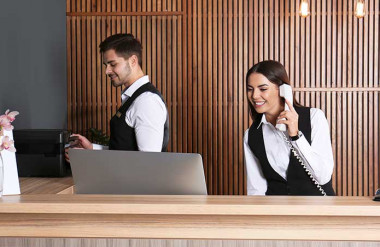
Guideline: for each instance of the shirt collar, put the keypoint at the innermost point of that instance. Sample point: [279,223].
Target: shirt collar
[128,92]
[262,121]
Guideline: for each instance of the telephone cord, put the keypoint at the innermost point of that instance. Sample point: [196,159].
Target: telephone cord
[298,157]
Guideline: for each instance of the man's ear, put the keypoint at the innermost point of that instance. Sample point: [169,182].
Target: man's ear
[133,60]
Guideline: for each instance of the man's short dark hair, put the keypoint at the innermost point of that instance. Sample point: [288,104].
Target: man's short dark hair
[125,45]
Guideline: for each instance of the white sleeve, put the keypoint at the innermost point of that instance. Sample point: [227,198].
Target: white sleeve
[148,119]
[99,147]
[256,182]
[318,155]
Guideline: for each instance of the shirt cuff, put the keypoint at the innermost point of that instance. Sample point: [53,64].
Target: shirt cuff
[99,147]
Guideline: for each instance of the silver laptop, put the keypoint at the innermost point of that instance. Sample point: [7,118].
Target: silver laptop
[143,173]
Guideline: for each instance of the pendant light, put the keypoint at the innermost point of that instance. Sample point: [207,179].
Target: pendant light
[304,8]
[360,9]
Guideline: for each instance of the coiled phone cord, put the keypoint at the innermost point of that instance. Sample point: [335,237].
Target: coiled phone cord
[303,165]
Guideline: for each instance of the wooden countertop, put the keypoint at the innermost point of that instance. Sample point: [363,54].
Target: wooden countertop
[190,217]
[37,185]
[191,205]
[40,213]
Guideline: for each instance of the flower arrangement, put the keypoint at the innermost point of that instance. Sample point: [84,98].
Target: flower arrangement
[5,124]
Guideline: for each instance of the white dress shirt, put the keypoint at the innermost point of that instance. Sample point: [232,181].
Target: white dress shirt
[147,115]
[318,156]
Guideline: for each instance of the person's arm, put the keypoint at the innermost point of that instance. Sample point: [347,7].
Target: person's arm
[256,182]
[318,155]
[148,119]
[80,142]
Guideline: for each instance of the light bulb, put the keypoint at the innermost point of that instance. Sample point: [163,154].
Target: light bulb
[304,9]
[360,9]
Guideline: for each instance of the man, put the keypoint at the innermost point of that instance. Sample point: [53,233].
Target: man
[141,123]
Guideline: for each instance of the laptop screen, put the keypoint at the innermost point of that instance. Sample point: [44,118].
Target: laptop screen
[141,173]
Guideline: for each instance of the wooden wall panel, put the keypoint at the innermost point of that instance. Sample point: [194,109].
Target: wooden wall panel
[92,100]
[197,53]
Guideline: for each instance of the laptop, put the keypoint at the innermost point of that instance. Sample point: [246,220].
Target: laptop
[137,173]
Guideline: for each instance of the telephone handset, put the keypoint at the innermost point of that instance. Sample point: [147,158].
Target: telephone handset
[285,92]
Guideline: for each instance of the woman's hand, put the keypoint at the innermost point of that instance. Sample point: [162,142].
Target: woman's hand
[290,118]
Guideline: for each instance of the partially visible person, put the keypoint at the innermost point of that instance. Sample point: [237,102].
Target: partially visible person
[272,169]
[141,123]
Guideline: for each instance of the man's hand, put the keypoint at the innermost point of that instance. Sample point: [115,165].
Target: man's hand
[80,142]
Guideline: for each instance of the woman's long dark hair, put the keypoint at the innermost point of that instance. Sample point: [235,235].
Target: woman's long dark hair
[275,72]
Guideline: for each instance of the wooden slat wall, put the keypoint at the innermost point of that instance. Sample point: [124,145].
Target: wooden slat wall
[91,99]
[197,53]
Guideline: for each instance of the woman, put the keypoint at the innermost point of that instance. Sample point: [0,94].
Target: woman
[272,169]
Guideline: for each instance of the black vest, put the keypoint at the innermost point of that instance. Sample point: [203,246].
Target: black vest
[123,137]
[298,182]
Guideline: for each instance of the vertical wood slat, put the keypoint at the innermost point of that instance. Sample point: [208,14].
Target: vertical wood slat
[74,74]
[376,78]
[350,138]
[234,116]
[219,102]
[69,51]
[224,102]
[369,70]
[198,59]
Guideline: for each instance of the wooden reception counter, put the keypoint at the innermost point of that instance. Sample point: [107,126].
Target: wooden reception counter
[47,214]
[190,217]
